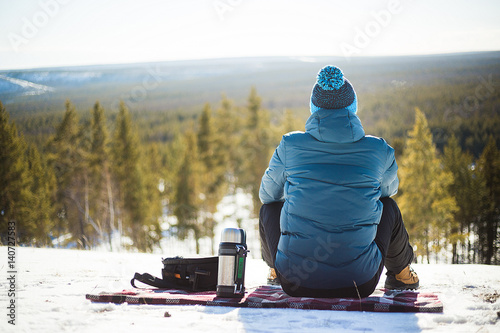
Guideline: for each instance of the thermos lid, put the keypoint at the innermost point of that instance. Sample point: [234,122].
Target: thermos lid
[233,235]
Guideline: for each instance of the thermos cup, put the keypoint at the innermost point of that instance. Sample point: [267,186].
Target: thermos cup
[232,258]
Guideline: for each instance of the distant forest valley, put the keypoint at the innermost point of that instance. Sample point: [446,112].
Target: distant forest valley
[92,151]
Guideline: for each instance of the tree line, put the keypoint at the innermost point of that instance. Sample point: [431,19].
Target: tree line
[92,179]
[85,184]
[95,178]
[451,201]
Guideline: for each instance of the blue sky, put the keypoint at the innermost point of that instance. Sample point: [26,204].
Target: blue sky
[43,33]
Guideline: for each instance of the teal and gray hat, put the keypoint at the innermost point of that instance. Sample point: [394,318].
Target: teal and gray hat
[332,91]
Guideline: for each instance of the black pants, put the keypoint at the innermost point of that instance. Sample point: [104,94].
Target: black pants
[392,240]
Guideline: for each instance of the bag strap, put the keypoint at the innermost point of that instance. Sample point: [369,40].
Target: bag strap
[151,280]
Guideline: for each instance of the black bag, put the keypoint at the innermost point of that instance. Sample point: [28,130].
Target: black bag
[194,274]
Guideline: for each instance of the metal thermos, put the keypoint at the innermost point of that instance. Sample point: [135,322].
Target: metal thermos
[232,257]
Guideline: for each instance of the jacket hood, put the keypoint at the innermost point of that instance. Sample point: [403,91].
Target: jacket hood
[339,126]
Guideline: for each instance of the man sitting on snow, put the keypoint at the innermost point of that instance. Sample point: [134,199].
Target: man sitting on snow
[328,225]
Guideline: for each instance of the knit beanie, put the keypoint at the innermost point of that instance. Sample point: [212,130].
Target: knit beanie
[332,91]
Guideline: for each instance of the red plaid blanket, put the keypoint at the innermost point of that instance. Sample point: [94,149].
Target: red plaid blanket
[273,297]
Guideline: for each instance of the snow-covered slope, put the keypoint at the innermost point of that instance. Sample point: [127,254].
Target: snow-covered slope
[52,283]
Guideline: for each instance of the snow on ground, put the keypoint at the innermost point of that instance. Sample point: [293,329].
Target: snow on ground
[52,283]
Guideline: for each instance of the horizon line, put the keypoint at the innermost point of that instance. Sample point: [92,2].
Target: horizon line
[298,57]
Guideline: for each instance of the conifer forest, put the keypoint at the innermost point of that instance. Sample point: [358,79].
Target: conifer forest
[117,153]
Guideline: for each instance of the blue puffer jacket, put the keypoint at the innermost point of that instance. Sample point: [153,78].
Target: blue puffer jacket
[331,179]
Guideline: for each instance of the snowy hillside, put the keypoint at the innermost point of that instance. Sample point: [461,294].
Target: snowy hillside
[52,283]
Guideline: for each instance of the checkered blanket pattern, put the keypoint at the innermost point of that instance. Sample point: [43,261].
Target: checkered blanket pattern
[273,297]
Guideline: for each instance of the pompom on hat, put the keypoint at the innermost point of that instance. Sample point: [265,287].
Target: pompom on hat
[333,91]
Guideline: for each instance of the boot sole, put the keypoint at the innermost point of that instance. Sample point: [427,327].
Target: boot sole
[414,286]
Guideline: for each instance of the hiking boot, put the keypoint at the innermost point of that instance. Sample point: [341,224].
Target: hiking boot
[272,278]
[404,280]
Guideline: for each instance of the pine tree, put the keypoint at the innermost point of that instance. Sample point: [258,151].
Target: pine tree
[213,160]
[488,231]
[254,105]
[425,201]
[206,138]
[187,192]
[68,158]
[43,188]
[133,206]
[257,148]
[15,181]
[228,125]
[173,158]
[469,192]
[152,176]
[102,198]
